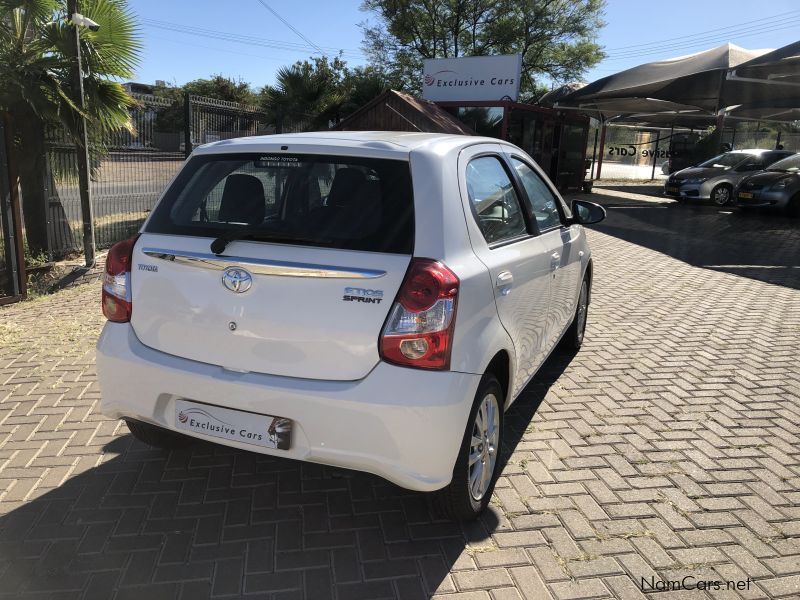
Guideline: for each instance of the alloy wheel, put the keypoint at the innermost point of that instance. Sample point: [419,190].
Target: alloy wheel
[483,448]
[722,195]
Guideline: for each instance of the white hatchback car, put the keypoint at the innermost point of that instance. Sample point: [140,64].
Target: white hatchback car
[371,300]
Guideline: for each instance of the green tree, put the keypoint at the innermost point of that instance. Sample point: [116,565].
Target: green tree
[315,94]
[306,95]
[219,87]
[556,38]
[36,60]
[222,88]
[359,86]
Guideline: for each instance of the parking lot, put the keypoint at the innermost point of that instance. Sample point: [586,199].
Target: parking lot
[668,447]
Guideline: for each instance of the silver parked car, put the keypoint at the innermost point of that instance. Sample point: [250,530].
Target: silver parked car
[777,187]
[716,178]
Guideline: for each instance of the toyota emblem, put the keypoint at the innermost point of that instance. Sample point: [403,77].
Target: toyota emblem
[237,280]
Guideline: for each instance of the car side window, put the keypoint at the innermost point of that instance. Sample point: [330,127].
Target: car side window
[494,201]
[541,201]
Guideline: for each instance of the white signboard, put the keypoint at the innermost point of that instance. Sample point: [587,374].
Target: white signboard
[472,78]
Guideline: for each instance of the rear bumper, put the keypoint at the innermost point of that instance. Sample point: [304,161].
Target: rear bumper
[401,424]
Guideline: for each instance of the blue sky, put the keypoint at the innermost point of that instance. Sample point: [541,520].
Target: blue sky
[637,31]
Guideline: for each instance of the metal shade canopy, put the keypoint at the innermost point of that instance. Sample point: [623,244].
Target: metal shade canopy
[700,81]
[781,110]
[781,65]
[696,119]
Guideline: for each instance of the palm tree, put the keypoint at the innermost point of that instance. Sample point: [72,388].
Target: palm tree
[304,98]
[315,95]
[36,61]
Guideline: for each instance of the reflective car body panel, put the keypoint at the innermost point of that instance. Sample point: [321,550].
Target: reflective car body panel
[768,189]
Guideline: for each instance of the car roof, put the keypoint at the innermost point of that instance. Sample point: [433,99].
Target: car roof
[358,142]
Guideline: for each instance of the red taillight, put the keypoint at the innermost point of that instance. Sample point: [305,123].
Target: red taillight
[419,329]
[117,281]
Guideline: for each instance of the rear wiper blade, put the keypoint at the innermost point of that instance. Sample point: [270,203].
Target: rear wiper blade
[218,245]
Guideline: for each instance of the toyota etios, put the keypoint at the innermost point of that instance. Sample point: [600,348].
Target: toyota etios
[374,301]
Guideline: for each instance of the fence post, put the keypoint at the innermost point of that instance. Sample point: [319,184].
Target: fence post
[187,125]
[12,217]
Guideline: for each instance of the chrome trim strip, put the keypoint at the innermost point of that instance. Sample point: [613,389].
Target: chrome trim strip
[261,266]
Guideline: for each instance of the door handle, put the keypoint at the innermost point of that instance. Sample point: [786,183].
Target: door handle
[555,261]
[504,282]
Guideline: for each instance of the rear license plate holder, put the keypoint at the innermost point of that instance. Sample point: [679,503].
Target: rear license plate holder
[266,431]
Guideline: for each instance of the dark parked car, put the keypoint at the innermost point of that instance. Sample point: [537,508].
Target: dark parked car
[777,187]
[715,178]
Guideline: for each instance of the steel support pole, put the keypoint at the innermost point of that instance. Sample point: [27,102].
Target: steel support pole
[655,156]
[594,154]
[82,146]
[602,149]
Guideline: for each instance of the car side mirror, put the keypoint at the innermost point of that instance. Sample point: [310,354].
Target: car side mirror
[586,213]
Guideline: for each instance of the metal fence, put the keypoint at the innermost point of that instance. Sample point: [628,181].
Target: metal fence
[130,169]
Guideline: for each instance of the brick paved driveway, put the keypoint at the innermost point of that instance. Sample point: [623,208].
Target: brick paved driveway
[667,447]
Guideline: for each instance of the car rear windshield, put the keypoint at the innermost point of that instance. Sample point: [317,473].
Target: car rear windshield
[330,201]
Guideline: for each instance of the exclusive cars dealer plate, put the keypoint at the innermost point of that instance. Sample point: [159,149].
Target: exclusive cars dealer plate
[235,425]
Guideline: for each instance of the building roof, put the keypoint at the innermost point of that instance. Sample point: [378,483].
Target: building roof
[399,111]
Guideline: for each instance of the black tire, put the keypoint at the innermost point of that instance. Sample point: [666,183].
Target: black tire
[573,338]
[722,194]
[156,436]
[456,501]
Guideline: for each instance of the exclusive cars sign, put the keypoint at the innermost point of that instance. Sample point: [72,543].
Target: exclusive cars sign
[483,78]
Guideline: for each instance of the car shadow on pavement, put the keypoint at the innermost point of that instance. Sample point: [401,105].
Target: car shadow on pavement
[214,521]
[762,245]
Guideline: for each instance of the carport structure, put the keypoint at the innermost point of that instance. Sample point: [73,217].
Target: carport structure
[698,90]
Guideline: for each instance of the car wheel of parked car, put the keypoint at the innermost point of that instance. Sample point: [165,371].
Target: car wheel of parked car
[476,468]
[156,436]
[573,338]
[721,194]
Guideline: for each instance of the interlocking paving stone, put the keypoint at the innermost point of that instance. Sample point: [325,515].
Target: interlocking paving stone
[669,445]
